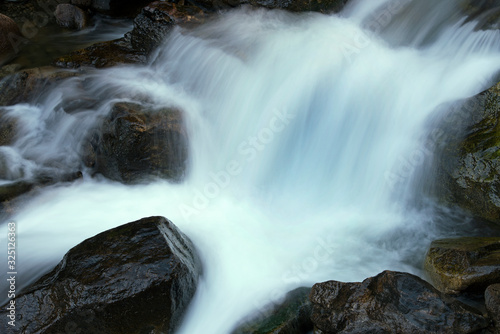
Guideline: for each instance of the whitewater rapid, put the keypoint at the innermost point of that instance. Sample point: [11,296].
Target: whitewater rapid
[305,130]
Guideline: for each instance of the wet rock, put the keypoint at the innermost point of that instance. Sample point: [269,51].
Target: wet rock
[136,278]
[82,3]
[459,264]
[70,16]
[24,86]
[467,166]
[8,127]
[292,316]
[136,143]
[102,55]
[485,12]
[390,302]
[492,300]
[118,8]
[324,6]
[157,19]
[8,35]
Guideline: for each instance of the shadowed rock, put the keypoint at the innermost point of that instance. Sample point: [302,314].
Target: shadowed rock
[390,302]
[136,278]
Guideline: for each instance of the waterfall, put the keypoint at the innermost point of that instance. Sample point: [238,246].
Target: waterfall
[306,131]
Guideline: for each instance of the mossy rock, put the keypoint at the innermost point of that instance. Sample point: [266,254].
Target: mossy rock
[467,164]
[459,264]
[292,316]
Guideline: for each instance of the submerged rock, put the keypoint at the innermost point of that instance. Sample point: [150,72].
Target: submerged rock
[467,167]
[24,86]
[9,33]
[390,302]
[72,17]
[136,278]
[136,143]
[459,264]
[292,316]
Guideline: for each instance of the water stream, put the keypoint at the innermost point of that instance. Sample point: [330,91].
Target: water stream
[298,124]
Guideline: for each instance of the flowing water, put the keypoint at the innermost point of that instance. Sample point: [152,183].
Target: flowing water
[304,131]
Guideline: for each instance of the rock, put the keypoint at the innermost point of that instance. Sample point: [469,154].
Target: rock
[136,278]
[459,264]
[82,3]
[26,85]
[324,6]
[492,300]
[119,8]
[102,55]
[485,12]
[467,164]
[8,127]
[70,16]
[391,302]
[136,143]
[157,19]
[9,32]
[292,316]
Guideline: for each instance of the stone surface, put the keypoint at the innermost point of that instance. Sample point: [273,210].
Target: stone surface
[136,143]
[390,302]
[157,19]
[103,55]
[292,316]
[118,8]
[467,162]
[24,86]
[9,32]
[492,301]
[459,264]
[70,16]
[136,278]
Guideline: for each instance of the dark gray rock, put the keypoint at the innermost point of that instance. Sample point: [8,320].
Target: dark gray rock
[118,8]
[157,19]
[492,300]
[71,17]
[136,278]
[467,162]
[390,302]
[292,316]
[9,34]
[137,142]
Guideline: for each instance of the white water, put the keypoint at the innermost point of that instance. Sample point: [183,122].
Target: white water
[299,126]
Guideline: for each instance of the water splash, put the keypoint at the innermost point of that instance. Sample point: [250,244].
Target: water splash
[297,124]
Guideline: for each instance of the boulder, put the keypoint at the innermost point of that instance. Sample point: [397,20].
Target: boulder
[136,278]
[324,6]
[391,302]
[26,85]
[118,8]
[138,142]
[492,300]
[467,162]
[103,55]
[9,32]
[157,19]
[485,12]
[292,316]
[458,264]
[8,127]
[71,17]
